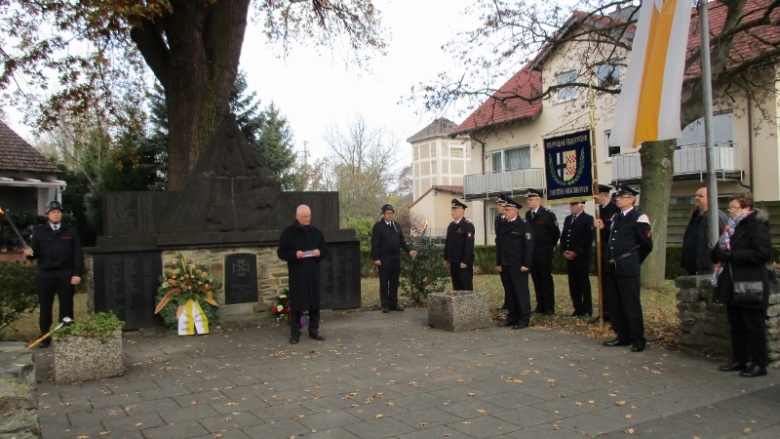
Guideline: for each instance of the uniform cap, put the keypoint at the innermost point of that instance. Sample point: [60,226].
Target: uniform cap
[512,203]
[574,203]
[501,199]
[604,188]
[534,193]
[627,191]
[387,207]
[456,203]
[53,205]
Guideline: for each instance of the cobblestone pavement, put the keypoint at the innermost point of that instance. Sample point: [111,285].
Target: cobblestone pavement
[390,376]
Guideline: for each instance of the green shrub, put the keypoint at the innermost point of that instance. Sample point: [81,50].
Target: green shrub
[426,273]
[99,325]
[485,259]
[18,294]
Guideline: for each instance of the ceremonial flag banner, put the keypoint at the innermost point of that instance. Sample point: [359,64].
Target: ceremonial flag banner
[569,167]
[648,108]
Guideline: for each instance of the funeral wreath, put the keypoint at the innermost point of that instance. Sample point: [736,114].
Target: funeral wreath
[183,281]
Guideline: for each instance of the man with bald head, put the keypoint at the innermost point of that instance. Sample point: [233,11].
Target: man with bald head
[303,247]
[696,241]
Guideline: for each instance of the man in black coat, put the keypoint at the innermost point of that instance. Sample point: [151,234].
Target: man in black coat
[607,210]
[576,247]
[546,235]
[514,256]
[57,247]
[303,247]
[387,240]
[630,241]
[696,241]
[459,249]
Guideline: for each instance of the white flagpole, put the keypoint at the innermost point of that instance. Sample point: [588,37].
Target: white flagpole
[706,87]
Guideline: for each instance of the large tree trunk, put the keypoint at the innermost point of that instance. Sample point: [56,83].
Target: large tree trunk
[194,53]
[657,172]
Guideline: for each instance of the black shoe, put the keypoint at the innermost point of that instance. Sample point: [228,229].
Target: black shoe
[584,315]
[502,308]
[548,313]
[317,336]
[616,342]
[504,324]
[754,371]
[294,338]
[385,309]
[597,319]
[638,346]
[397,308]
[732,367]
[520,326]
[538,311]
[45,344]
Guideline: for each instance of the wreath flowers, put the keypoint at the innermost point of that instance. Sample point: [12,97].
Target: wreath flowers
[281,309]
[181,282]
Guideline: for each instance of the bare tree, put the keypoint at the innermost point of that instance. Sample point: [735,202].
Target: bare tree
[361,166]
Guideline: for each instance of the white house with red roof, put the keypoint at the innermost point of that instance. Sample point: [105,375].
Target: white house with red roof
[508,130]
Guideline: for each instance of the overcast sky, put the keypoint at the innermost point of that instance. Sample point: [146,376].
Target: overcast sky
[314,91]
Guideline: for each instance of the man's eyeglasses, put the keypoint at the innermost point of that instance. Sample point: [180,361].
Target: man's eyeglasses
[733,208]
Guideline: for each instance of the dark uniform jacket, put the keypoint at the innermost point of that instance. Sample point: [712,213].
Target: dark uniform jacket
[60,250]
[387,242]
[696,242]
[630,241]
[751,249]
[545,227]
[497,222]
[515,244]
[605,215]
[459,247]
[578,236]
[304,274]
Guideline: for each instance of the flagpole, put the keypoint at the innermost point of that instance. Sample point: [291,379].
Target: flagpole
[706,88]
[597,210]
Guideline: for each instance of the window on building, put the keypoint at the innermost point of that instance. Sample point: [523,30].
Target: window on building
[456,152]
[722,131]
[607,75]
[566,93]
[416,150]
[511,159]
[611,150]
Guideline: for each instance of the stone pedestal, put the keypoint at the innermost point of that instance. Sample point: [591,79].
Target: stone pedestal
[87,358]
[458,310]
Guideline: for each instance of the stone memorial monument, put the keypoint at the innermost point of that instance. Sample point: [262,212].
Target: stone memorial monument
[228,217]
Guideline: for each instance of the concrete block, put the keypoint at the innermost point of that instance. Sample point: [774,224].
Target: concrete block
[458,310]
[87,358]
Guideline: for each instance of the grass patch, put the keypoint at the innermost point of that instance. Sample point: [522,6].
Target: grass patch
[659,307]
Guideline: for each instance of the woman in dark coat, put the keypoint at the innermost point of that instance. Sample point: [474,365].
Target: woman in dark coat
[303,247]
[741,254]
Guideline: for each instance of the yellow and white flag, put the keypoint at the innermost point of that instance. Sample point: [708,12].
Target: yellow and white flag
[648,108]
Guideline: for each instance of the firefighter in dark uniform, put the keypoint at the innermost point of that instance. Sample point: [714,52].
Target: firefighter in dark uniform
[630,241]
[546,235]
[57,248]
[577,248]
[387,240]
[459,249]
[514,256]
[607,210]
[500,218]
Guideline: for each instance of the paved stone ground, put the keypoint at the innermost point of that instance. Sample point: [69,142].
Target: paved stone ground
[390,376]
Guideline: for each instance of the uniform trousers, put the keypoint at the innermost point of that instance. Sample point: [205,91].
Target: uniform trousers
[49,283]
[389,276]
[605,286]
[516,294]
[462,278]
[625,307]
[314,322]
[748,335]
[541,273]
[579,284]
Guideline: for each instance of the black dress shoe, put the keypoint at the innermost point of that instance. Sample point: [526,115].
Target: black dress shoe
[753,371]
[638,346]
[520,326]
[397,308]
[732,367]
[44,344]
[504,324]
[294,338]
[385,309]
[317,336]
[616,342]
[548,313]
[538,311]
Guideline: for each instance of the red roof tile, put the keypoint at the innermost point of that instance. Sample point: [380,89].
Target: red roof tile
[16,155]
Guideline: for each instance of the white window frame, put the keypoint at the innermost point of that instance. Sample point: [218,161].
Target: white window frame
[607,75]
[566,93]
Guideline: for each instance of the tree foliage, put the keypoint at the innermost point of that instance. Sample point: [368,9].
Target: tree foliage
[80,51]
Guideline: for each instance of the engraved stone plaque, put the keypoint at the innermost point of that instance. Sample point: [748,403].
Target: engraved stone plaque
[126,283]
[240,278]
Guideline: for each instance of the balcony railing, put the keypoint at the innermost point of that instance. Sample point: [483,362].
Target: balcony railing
[689,161]
[493,183]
